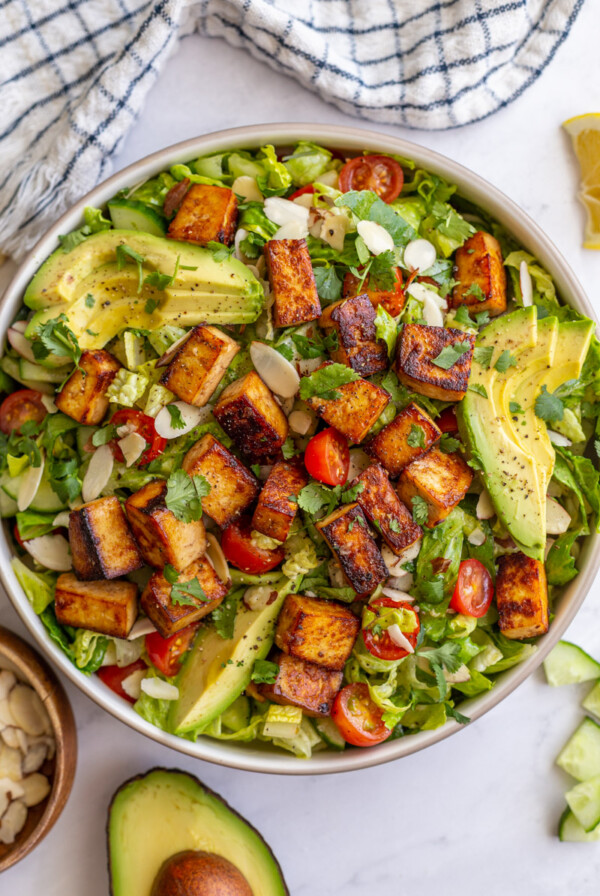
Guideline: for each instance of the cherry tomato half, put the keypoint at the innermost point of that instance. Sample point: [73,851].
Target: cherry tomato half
[381,174]
[240,550]
[327,457]
[358,718]
[381,645]
[309,188]
[447,421]
[20,408]
[474,589]
[114,676]
[143,425]
[393,300]
[166,653]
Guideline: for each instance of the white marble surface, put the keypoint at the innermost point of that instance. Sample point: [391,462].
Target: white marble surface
[477,813]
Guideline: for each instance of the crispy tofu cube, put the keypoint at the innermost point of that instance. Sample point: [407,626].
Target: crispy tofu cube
[207,214]
[521,596]
[101,541]
[295,298]
[358,346]
[83,396]
[355,411]
[418,347]
[393,300]
[440,479]
[383,507]
[106,607]
[347,534]
[232,486]
[391,447]
[248,412]
[277,507]
[479,269]
[313,688]
[169,617]
[198,365]
[160,536]
[318,631]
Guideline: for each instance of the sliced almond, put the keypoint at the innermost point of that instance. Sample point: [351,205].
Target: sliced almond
[34,758]
[98,473]
[36,788]
[216,558]
[28,710]
[7,682]
[10,763]
[13,822]
[132,685]
[159,689]
[5,713]
[16,738]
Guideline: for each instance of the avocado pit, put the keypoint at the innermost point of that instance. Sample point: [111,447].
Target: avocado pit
[199,873]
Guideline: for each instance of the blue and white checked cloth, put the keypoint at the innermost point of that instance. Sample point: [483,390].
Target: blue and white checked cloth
[75,73]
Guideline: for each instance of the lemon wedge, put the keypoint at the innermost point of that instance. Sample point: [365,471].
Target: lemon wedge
[584,131]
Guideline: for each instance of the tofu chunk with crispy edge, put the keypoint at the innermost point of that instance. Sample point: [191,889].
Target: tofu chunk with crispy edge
[479,269]
[160,536]
[418,346]
[101,541]
[168,617]
[106,607]
[232,486]
[353,320]
[277,507]
[313,688]
[390,446]
[382,506]
[83,396]
[347,534]
[207,214]
[393,300]
[521,596]
[355,411]
[318,631]
[440,479]
[199,364]
[248,412]
[295,298]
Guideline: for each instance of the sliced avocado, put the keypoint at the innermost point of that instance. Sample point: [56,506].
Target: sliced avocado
[164,812]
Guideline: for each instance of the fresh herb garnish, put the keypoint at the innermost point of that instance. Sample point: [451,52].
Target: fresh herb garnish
[515,408]
[183,593]
[184,495]
[448,443]
[126,255]
[420,510]
[548,406]
[177,421]
[90,301]
[450,354]
[323,383]
[56,337]
[264,672]
[483,355]
[416,436]
[476,290]
[479,389]
[505,361]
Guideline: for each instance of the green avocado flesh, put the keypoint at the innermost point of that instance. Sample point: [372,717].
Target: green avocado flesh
[209,291]
[162,813]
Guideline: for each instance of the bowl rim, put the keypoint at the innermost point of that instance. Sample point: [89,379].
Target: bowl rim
[472,187]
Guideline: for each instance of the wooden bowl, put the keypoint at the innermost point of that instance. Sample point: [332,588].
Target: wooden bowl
[32,669]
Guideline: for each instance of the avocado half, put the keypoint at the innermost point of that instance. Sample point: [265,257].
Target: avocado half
[166,811]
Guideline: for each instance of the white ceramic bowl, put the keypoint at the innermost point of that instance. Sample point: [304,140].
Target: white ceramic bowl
[260,758]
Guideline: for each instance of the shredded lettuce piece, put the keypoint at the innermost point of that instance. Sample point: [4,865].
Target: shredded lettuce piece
[38,587]
[307,163]
[127,387]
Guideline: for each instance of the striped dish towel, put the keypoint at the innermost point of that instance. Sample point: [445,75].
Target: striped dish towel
[75,73]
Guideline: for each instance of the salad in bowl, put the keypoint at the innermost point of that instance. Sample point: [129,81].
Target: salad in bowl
[295,447]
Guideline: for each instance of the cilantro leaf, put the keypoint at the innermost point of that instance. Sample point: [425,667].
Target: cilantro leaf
[416,436]
[515,408]
[455,714]
[219,251]
[548,406]
[448,443]
[177,421]
[286,351]
[482,318]
[476,290]
[479,389]
[505,361]
[322,383]
[264,672]
[462,316]
[420,510]
[289,448]
[316,346]
[151,305]
[184,593]
[450,354]
[314,497]
[126,255]
[329,285]
[184,495]
[382,271]
[483,355]
[90,301]
[386,329]
[104,435]
[351,493]
[55,336]
[223,616]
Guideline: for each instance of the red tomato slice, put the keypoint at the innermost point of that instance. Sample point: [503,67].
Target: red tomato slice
[447,420]
[144,425]
[114,676]
[166,653]
[327,457]
[358,718]
[381,645]
[393,300]
[240,550]
[309,188]
[20,408]
[381,174]
[474,589]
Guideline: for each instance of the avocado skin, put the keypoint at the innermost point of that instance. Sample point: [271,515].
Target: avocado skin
[270,877]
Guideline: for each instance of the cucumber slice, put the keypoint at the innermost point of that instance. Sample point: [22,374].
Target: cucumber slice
[128,214]
[584,802]
[592,701]
[329,733]
[46,500]
[569,664]
[11,367]
[8,506]
[580,757]
[30,371]
[83,434]
[570,831]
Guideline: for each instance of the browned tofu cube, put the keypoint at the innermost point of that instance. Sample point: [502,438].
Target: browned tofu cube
[169,616]
[198,365]
[277,505]
[83,396]
[418,348]
[479,269]
[440,479]
[313,688]
[521,596]
[101,541]
[295,298]
[207,214]
[160,536]
[106,607]
[232,486]
[355,411]
[393,300]
[358,346]
[347,534]
[391,445]
[318,631]
[383,507]
[248,412]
